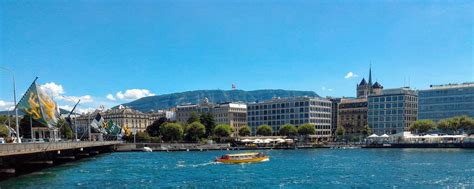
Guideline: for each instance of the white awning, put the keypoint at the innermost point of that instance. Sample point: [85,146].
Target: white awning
[373,136]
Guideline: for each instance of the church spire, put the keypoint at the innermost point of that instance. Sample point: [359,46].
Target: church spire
[370,74]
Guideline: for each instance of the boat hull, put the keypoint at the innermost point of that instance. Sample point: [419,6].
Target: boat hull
[251,160]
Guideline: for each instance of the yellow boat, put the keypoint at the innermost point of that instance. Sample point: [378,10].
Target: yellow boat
[243,158]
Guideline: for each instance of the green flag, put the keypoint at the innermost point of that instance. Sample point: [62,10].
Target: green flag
[112,128]
[39,106]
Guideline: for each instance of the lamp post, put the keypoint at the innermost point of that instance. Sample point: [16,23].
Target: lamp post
[18,140]
[134,132]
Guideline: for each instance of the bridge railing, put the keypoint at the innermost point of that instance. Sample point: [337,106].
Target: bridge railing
[6,149]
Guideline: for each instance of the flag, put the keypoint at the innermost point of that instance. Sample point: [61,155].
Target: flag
[112,128]
[39,106]
[98,124]
[126,131]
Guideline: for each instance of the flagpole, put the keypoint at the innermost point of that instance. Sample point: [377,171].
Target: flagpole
[89,125]
[75,128]
[31,129]
[18,140]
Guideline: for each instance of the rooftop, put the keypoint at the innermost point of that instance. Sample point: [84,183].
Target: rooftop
[451,86]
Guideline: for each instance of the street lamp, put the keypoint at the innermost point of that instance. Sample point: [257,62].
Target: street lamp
[134,132]
[18,140]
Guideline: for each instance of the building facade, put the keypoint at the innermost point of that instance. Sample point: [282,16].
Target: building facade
[352,115]
[295,110]
[233,114]
[168,114]
[125,117]
[445,101]
[128,118]
[392,111]
[334,115]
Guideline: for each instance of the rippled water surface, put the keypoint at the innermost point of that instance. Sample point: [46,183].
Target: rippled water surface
[316,168]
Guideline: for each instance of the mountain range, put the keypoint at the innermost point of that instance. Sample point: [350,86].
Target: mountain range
[166,101]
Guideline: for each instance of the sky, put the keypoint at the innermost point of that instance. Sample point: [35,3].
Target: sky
[112,51]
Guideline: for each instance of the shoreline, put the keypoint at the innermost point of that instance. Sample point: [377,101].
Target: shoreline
[171,147]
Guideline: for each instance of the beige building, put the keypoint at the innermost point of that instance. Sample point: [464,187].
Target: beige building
[168,114]
[125,117]
[352,115]
[128,118]
[233,114]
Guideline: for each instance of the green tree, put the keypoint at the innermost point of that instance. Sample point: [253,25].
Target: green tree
[340,131]
[4,130]
[195,131]
[306,129]
[466,124]
[222,130]
[142,137]
[264,130]
[154,129]
[193,118]
[444,126]
[244,131]
[171,131]
[207,119]
[366,131]
[422,126]
[288,130]
[64,129]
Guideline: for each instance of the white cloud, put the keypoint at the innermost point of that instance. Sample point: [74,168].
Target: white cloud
[111,97]
[4,105]
[53,89]
[133,94]
[78,110]
[57,92]
[350,75]
[74,99]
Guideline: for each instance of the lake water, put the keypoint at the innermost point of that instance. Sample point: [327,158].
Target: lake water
[314,168]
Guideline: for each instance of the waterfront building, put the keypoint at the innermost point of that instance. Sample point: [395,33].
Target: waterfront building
[392,111]
[352,115]
[128,117]
[231,113]
[294,110]
[445,101]
[122,116]
[334,115]
[170,115]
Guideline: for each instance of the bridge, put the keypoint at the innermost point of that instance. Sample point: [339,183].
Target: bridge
[29,148]
[21,158]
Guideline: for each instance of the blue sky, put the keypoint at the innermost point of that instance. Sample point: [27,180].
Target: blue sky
[90,49]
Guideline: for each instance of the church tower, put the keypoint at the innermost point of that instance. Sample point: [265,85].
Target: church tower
[364,88]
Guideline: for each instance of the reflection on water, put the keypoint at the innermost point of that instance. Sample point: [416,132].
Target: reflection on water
[321,168]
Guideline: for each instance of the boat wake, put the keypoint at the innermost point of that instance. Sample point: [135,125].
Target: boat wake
[182,165]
